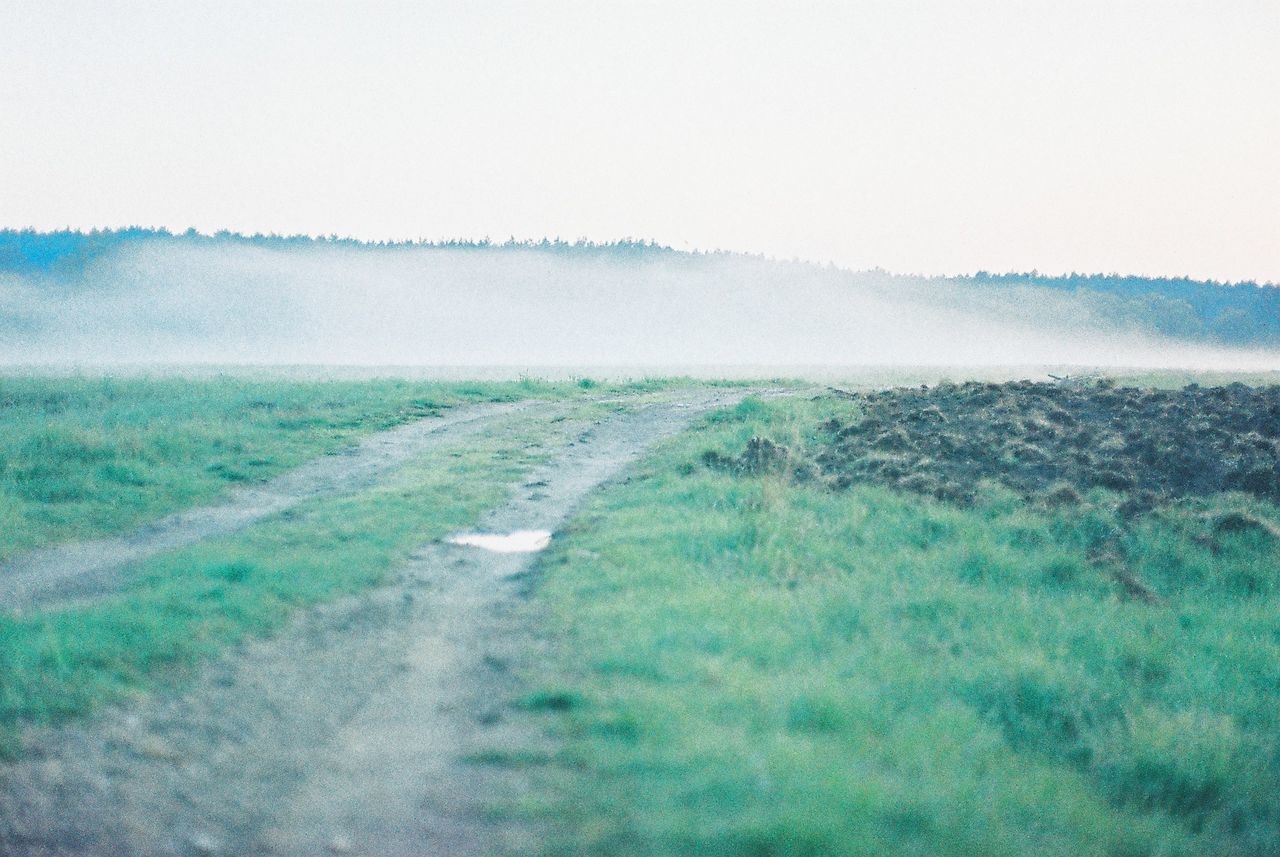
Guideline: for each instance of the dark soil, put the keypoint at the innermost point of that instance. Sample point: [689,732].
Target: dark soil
[1050,442]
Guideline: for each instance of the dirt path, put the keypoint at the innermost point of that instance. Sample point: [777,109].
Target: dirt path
[348,732]
[83,569]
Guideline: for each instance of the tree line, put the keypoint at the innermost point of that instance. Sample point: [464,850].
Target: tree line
[1236,313]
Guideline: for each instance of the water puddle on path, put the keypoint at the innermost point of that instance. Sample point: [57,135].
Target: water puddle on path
[521,541]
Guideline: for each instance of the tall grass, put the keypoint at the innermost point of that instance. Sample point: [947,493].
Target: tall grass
[757,666]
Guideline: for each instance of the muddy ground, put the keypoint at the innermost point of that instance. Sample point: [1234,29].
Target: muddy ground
[1050,443]
[351,731]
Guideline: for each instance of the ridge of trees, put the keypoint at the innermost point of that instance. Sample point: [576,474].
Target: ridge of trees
[1236,313]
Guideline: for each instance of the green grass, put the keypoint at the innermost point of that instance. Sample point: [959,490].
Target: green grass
[83,457]
[741,666]
[746,666]
[189,604]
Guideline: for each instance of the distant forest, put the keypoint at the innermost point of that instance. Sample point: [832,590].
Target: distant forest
[65,253]
[1240,313]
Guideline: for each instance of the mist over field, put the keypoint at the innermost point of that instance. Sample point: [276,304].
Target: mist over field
[169,300]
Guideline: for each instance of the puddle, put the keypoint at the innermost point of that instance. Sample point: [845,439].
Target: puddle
[521,541]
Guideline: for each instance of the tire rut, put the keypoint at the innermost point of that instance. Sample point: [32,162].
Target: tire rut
[350,731]
[85,569]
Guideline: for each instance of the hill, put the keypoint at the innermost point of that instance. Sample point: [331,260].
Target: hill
[150,295]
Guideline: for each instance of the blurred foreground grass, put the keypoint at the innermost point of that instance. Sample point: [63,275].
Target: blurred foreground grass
[752,665]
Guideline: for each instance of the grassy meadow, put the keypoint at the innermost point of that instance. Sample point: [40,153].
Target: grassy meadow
[191,603]
[762,665]
[83,457]
[743,660]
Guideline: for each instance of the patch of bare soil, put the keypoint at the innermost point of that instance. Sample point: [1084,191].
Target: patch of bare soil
[1049,442]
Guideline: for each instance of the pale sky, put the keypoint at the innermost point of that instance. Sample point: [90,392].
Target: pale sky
[938,137]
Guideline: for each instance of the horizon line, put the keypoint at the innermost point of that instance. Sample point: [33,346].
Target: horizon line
[586,243]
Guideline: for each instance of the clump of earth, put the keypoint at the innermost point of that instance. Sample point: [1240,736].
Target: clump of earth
[1048,442]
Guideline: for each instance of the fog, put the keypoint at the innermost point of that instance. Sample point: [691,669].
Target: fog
[171,302]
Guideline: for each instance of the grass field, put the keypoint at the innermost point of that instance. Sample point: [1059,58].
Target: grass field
[747,656]
[82,457]
[189,604]
[760,665]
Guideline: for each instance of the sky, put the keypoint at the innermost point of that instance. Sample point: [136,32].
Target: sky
[921,137]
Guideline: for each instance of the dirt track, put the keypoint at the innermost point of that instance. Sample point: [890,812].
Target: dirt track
[348,732]
[86,568]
